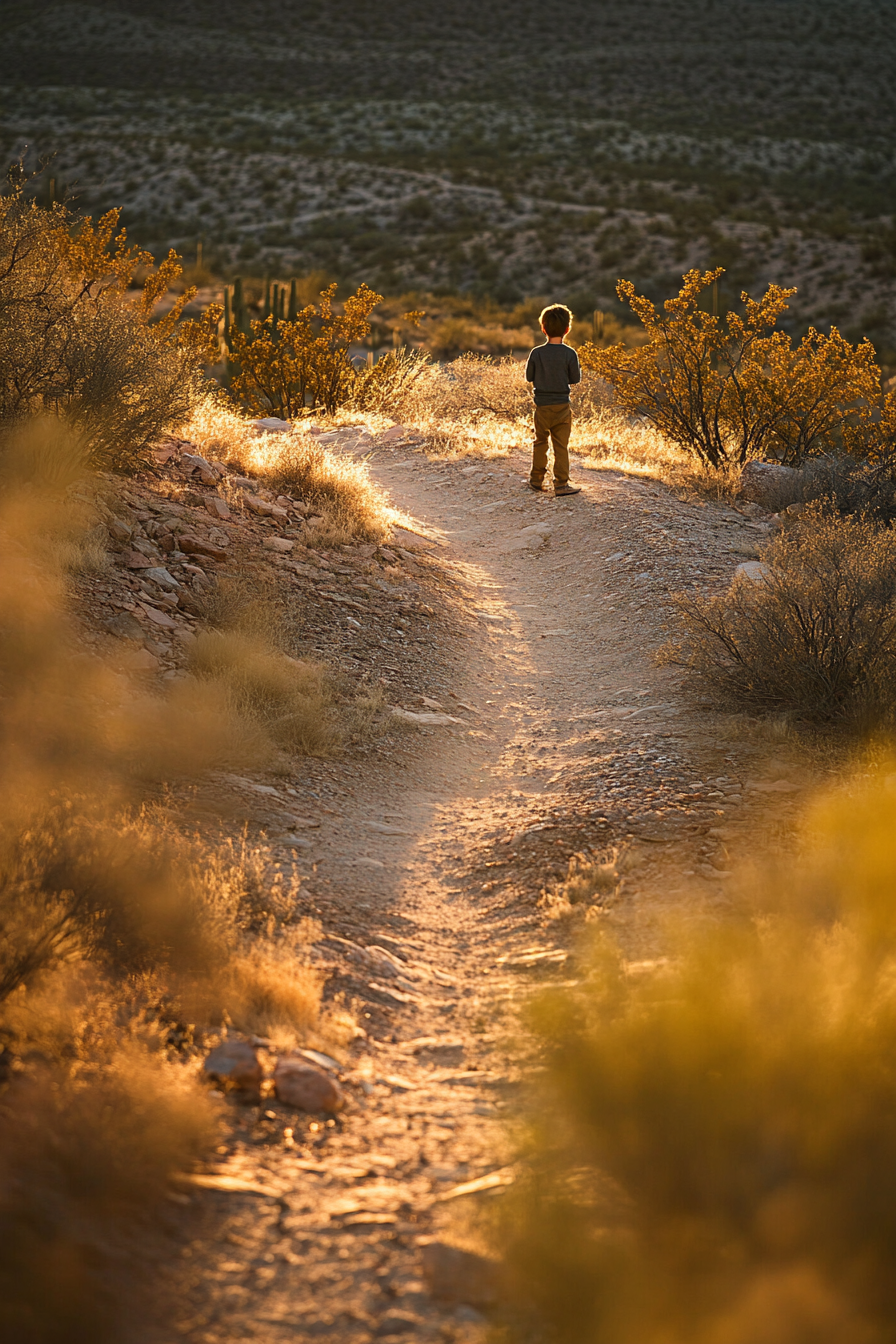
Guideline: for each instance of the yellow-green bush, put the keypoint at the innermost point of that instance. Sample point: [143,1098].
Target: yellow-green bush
[712,1148]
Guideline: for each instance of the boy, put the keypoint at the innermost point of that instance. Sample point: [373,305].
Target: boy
[552,367]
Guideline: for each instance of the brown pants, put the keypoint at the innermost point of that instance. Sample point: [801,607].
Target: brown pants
[555,421]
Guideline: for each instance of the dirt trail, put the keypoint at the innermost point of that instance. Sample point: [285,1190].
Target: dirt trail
[567,737]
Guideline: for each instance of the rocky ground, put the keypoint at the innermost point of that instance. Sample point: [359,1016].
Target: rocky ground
[520,631]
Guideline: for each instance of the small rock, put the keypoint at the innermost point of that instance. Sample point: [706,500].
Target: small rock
[196,546]
[161,576]
[446,1053]
[455,1275]
[136,560]
[277,544]
[769,484]
[264,508]
[425,717]
[271,425]
[752,571]
[194,462]
[158,617]
[396,432]
[118,530]
[308,1089]
[397,1323]
[234,1062]
[217,506]
[125,626]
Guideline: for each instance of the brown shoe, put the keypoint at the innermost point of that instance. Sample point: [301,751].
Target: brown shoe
[568,489]
[536,485]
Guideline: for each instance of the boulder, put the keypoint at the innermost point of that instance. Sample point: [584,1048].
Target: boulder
[236,1064]
[197,546]
[277,544]
[769,484]
[299,1084]
[125,626]
[455,1275]
[217,506]
[160,575]
[752,571]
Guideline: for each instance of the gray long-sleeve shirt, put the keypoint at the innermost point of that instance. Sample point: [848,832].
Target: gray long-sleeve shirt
[552,368]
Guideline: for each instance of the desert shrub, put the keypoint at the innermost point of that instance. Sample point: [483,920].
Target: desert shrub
[476,383]
[284,366]
[711,1150]
[731,388]
[75,344]
[815,636]
[122,940]
[849,486]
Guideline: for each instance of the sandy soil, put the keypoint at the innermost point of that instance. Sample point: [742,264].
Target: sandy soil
[435,849]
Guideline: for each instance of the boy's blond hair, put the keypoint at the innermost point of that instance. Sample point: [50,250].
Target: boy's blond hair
[555,320]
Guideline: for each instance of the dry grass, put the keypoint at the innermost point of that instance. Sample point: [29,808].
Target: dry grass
[337,487]
[83,1158]
[588,876]
[711,1148]
[482,407]
[292,702]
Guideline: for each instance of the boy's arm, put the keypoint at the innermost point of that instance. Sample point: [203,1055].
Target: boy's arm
[530,368]
[575,368]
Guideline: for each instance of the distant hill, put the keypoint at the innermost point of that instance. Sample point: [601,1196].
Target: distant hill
[505,148]
[817,68]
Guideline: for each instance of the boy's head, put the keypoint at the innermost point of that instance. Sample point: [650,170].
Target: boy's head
[555,320]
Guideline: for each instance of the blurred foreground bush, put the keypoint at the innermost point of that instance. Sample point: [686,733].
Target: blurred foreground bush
[713,1148]
[76,343]
[125,944]
[813,634]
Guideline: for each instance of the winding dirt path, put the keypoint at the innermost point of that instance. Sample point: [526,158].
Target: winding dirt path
[567,737]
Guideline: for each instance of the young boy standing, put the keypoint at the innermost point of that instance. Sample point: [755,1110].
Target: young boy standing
[551,368]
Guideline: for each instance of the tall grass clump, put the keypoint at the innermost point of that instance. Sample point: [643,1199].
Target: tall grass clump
[76,342]
[291,701]
[814,636]
[711,1145]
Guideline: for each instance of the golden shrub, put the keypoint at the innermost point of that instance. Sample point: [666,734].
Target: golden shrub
[286,365]
[729,388]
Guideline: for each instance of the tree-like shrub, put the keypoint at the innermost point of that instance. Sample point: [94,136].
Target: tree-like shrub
[76,342]
[814,635]
[734,387]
